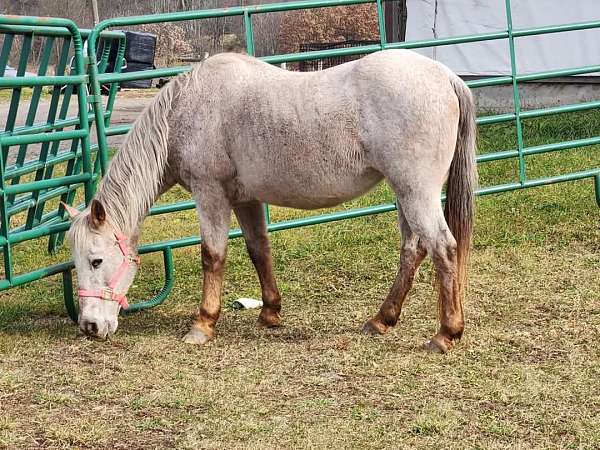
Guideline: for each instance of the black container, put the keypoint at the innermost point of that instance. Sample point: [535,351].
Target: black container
[139,55]
[140,47]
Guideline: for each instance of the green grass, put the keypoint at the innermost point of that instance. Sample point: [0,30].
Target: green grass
[525,374]
[26,94]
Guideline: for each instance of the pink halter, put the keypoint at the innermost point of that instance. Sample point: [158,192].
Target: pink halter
[108,293]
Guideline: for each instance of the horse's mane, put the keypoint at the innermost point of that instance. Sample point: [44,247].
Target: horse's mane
[134,177]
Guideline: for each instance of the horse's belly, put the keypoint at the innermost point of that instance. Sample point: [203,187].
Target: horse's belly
[311,192]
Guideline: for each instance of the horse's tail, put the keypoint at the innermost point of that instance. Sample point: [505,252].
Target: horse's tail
[462,180]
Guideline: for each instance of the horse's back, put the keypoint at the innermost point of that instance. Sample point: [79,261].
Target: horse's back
[286,131]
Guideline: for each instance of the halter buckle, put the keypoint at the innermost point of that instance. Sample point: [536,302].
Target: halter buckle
[107,294]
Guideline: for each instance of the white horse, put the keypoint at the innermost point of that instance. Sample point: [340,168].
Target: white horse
[237,132]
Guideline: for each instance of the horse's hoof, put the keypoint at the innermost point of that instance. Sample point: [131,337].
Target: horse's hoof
[432,347]
[374,328]
[438,344]
[268,320]
[196,337]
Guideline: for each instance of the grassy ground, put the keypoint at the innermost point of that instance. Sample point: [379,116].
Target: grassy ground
[525,375]
[26,93]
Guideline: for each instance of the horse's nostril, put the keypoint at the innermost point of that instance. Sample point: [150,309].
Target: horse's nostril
[91,328]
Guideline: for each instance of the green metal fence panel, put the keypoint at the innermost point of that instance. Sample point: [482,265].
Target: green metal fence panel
[79,158]
[18,196]
[44,158]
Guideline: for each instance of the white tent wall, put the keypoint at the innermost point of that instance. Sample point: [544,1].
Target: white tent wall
[428,19]
[534,53]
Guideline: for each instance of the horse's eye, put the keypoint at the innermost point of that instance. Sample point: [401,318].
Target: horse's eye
[96,263]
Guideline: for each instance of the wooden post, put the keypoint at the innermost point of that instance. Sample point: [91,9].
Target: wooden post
[395,20]
[95,12]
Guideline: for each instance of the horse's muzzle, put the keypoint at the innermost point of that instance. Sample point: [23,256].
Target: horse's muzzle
[96,329]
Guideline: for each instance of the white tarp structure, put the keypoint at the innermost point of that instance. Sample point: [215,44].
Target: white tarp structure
[428,19]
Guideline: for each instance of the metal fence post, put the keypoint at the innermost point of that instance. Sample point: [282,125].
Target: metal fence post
[516,94]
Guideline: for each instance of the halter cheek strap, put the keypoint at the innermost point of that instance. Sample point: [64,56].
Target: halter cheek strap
[108,293]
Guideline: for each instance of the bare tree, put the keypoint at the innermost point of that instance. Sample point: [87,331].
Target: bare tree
[267,28]
[358,22]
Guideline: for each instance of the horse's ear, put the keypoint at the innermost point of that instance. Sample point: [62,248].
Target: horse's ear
[72,212]
[97,214]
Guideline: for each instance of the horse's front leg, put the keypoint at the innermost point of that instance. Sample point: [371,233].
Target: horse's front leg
[214,214]
[252,221]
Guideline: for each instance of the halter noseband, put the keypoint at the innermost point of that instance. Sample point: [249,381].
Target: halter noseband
[108,293]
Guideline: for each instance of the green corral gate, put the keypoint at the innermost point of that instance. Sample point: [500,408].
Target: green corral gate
[51,157]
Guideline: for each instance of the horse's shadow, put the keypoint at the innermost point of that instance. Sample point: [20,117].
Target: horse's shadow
[27,322]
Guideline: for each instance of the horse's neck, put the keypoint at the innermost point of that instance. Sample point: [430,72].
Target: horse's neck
[127,195]
[135,177]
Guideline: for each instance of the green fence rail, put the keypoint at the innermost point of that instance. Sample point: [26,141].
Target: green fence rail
[87,78]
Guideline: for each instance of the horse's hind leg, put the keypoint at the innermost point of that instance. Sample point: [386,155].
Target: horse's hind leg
[450,307]
[214,214]
[253,224]
[425,217]
[411,256]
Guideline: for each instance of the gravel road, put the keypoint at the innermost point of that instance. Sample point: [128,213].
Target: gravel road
[127,108]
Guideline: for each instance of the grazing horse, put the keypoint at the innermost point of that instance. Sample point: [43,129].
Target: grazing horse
[237,132]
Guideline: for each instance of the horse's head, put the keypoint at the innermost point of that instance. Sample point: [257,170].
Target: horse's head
[106,266]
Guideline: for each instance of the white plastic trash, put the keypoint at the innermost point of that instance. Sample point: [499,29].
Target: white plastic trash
[247,303]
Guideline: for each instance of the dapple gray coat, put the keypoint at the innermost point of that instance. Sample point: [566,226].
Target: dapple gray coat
[236,132]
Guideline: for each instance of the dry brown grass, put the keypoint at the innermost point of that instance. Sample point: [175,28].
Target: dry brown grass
[526,373]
